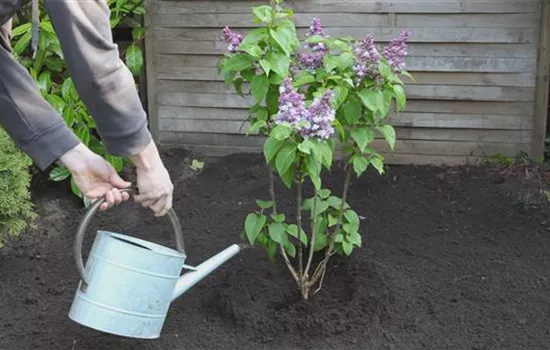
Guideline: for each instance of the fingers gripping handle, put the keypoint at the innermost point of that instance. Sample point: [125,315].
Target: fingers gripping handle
[86,220]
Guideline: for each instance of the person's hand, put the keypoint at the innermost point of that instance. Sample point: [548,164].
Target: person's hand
[153,181]
[95,177]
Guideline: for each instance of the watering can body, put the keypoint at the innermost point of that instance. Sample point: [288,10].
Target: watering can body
[128,284]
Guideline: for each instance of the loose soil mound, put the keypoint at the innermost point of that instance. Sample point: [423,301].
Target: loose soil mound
[452,259]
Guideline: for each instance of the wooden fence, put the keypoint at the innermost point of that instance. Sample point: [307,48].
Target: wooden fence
[481,68]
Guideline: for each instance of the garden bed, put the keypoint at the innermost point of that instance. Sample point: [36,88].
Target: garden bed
[451,259]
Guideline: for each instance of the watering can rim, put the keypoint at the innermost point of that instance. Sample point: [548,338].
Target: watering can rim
[77,247]
[151,246]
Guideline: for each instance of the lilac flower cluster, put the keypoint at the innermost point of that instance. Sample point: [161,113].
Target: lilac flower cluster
[314,59]
[396,51]
[292,108]
[315,122]
[367,56]
[321,116]
[233,39]
[366,59]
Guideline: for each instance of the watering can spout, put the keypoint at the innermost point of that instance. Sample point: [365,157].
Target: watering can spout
[189,279]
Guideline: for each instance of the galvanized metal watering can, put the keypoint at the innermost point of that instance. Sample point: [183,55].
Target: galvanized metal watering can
[128,283]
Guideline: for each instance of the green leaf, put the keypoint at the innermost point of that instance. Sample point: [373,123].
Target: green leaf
[341,93]
[84,135]
[324,193]
[278,217]
[336,202]
[285,158]
[332,220]
[238,62]
[264,204]
[400,97]
[385,69]
[304,79]
[272,100]
[288,177]
[248,74]
[21,29]
[321,241]
[353,220]
[68,90]
[278,233]
[138,33]
[253,226]
[44,82]
[347,248]
[271,147]
[252,49]
[340,130]
[134,59]
[387,96]
[68,116]
[254,36]
[360,164]
[293,231]
[256,126]
[259,86]
[352,110]
[354,238]
[389,134]
[305,146]
[378,164]
[238,83]
[265,65]
[321,207]
[278,62]
[285,36]
[323,153]
[290,249]
[362,137]
[339,238]
[372,99]
[271,250]
[314,170]
[22,43]
[281,132]
[263,14]
[59,173]
[57,102]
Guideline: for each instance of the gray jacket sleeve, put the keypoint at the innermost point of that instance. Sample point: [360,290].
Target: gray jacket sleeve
[101,79]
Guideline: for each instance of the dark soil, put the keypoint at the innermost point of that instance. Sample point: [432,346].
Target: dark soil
[452,259]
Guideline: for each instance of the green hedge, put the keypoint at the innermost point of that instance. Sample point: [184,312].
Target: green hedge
[16,206]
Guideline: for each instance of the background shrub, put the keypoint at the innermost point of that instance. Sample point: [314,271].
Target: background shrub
[16,207]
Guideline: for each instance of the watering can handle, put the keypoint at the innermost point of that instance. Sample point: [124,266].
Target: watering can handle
[86,219]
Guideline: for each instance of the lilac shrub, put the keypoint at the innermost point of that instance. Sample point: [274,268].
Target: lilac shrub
[338,90]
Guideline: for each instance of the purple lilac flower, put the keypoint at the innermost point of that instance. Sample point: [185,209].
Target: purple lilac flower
[396,51]
[315,122]
[366,59]
[292,108]
[233,39]
[314,60]
[321,115]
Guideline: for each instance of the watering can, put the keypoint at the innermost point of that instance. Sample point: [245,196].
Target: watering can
[128,283]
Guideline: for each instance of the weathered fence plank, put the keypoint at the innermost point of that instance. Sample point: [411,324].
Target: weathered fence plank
[355,6]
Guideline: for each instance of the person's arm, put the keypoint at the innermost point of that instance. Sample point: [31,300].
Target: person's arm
[107,88]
